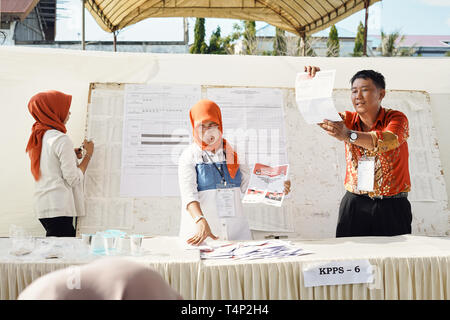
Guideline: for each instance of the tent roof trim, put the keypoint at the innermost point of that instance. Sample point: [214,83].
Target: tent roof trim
[296,16]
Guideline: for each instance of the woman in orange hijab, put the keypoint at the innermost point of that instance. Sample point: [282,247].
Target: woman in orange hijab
[54,166]
[211,180]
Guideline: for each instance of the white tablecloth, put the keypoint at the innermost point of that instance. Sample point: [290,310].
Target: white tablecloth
[408,267]
[179,267]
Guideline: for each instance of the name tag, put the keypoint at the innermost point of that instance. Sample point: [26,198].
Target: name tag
[338,272]
[225,202]
[366,173]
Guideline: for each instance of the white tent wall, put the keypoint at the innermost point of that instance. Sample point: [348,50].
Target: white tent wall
[26,71]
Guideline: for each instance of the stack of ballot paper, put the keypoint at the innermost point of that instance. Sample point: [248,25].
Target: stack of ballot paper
[252,250]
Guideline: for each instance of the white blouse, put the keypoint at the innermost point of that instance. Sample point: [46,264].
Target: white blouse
[233,228]
[59,192]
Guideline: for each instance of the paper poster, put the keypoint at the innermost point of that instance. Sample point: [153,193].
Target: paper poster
[155,132]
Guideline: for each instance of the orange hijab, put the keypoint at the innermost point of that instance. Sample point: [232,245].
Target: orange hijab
[49,109]
[207,110]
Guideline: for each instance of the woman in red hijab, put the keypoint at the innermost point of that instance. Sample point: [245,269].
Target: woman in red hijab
[211,180]
[58,195]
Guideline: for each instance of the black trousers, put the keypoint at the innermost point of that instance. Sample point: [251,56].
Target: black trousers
[58,226]
[361,216]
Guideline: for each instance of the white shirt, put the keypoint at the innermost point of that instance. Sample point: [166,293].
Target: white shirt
[233,228]
[59,191]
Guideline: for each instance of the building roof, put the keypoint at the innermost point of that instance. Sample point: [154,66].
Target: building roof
[435,41]
[16,9]
[296,16]
[269,31]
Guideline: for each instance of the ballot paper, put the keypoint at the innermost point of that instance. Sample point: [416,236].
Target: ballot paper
[252,250]
[314,96]
[266,185]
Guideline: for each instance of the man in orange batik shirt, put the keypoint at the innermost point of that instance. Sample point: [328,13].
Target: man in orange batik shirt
[377,174]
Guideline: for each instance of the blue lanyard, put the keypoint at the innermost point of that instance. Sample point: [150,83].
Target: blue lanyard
[217,168]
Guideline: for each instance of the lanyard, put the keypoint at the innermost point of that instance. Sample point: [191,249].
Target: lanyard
[217,168]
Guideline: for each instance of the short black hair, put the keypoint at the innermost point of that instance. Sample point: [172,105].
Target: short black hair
[376,77]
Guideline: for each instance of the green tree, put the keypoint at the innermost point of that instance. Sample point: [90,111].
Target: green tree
[249,35]
[333,43]
[390,45]
[199,45]
[229,41]
[216,43]
[279,42]
[447,54]
[359,41]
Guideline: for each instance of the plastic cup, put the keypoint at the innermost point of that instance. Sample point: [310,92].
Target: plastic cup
[86,238]
[136,244]
[123,246]
[110,243]
[97,245]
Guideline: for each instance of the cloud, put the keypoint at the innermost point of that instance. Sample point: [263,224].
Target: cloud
[438,3]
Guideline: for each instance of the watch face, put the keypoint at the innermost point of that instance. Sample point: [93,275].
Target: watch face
[353,136]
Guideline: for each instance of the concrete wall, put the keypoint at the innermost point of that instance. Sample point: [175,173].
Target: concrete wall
[26,71]
[128,46]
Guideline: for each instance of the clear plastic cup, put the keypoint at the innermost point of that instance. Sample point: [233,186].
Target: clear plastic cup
[110,243]
[97,244]
[136,244]
[123,246]
[86,238]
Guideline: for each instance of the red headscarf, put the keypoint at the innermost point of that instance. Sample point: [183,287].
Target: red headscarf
[207,110]
[49,109]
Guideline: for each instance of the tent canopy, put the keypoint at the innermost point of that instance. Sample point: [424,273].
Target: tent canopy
[301,17]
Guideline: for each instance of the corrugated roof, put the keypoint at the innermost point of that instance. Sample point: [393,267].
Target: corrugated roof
[17,8]
[423,41]
[296,16]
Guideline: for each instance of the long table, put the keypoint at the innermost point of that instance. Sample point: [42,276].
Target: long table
[407,267]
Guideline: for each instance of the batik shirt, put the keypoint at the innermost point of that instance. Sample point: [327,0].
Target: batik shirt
[389,134]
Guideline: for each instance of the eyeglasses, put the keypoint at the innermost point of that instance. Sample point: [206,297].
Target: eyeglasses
[208,126]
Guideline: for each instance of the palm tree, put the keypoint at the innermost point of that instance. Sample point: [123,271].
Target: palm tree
[390,45]
[279,42]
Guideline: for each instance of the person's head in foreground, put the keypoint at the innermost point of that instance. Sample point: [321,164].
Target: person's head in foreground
[102,279]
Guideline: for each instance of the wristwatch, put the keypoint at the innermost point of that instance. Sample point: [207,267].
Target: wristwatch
[353,136]
[198,218]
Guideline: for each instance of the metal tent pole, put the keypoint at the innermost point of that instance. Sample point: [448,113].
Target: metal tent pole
[83,27]
[366,6]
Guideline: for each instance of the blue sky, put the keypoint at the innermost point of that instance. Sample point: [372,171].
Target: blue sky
[410,17]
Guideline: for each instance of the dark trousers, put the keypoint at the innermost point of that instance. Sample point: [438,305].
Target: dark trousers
[58,226]
[362,216]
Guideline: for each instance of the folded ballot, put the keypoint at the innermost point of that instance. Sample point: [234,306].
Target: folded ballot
[253,250]
[266,185]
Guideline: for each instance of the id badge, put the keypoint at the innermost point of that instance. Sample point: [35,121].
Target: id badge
[366,173]
[225,200]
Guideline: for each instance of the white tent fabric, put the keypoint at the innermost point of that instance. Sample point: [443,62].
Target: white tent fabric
[296,16]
